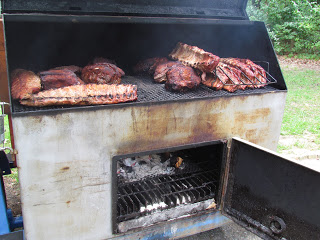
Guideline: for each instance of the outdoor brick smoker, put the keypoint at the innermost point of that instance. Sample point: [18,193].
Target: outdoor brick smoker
[169,163]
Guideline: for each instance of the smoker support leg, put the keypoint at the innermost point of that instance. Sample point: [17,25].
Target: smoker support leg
[4,222]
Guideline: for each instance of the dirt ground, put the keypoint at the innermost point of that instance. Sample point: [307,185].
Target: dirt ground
[292,63]
[310,156]
[13,195]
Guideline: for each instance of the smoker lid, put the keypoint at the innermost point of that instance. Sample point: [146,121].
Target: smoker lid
[171,8]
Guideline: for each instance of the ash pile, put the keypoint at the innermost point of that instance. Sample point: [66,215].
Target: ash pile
[139,167]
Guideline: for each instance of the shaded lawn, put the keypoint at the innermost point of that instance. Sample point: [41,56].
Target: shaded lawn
[302,110]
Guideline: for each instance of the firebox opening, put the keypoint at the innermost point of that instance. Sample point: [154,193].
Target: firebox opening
[162,185]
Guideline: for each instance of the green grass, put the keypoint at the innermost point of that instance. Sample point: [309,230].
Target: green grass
[283,147]
[302,110]
[7,142]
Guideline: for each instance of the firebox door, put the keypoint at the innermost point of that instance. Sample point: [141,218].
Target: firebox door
[273,197]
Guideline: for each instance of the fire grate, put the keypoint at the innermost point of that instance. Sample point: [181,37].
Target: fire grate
[157,193]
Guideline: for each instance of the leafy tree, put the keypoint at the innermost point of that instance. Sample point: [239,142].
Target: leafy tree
[294,26]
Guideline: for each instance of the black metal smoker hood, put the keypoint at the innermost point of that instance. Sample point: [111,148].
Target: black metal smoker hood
[175,8]
[39,33]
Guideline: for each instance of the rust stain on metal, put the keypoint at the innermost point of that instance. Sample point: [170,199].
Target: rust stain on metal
[253,116]
[251,133]
[149,124]
[173,124]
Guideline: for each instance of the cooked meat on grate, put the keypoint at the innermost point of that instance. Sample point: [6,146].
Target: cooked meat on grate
[223,75]
[212,81]
[195,57]
[160,73]
[244,68]
[52,79]
[77,70]
[148,66]
[102,73]
[23,83]
[258,71]
[89,94]
[182,79]
[234,76]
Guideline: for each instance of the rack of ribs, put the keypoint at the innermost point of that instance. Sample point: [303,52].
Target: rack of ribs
[223,78]
[195,57]
[247,76]
[90,94]
[259,72]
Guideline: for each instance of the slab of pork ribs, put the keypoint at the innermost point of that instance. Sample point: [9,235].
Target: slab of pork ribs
[89,94]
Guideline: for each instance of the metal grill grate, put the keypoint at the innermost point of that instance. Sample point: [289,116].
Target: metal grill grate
[148,92]
[140,198]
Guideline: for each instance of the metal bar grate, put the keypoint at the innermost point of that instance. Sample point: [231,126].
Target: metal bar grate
[140,198]
[267,79]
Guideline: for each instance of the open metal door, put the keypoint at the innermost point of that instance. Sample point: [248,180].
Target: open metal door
[273,197]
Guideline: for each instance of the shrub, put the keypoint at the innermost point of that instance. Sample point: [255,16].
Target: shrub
[294,26]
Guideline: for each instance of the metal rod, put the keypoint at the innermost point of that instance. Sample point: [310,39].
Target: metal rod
[237,76]
[258,80]
[246,77]
[271,77]
[268,81]
[227,76]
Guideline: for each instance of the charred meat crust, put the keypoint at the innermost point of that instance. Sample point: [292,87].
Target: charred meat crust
[23,83]
[55,78]
[160,73]
[102,73]
[182,79]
